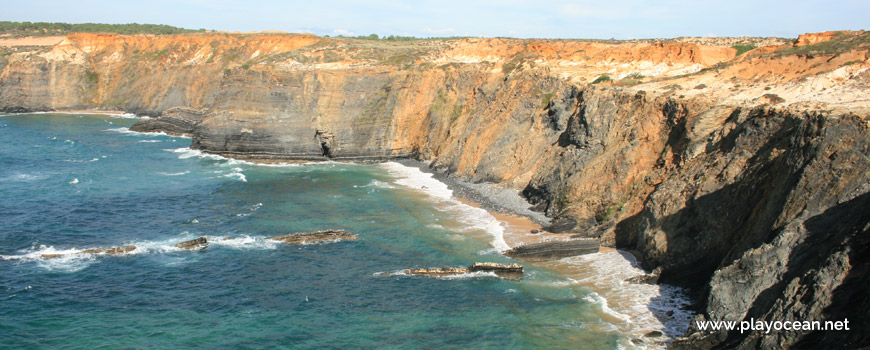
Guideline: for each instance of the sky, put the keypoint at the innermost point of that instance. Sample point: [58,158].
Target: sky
[618,19]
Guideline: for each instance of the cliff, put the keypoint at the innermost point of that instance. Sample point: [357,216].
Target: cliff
[745,178]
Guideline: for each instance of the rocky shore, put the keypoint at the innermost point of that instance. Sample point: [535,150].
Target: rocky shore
[743,177]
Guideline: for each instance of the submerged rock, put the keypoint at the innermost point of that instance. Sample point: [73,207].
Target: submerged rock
[316,236]
[194,243]
[554,250]
[501,270]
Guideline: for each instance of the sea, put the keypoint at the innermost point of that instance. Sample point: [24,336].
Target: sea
[69,183]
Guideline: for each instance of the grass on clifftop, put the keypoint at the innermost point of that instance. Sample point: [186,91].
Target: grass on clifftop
[22,29]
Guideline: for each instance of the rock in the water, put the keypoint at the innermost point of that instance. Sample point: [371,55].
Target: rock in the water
[501,270]
[438,271]
[114,250]
[554,250]
[111,251]
[316,236]
[194,243]
[650,278]
[654,334]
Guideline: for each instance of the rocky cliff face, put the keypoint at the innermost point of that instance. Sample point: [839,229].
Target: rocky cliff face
[746,179]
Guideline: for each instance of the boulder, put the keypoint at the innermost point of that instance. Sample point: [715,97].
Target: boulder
[316,236]
[650,278]
[554,250]
[193,243]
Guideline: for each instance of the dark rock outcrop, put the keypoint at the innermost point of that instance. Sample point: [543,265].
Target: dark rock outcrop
[650,278]
[554,250]
[193,243]
[316,237]
[176,121]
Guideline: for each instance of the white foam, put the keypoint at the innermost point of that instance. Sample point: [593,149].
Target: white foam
[252,209]
[74,259]
[185,153]
[22,177]
[174,174]
[473,218]
[237,173]
[114,115]
[74,181]
[150,141]
[375,183]
[127,131]
[415,178]
[243,242]
[70,260]
[459,276]
[635,309]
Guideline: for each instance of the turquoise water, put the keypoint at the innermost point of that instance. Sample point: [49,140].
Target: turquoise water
[69,183]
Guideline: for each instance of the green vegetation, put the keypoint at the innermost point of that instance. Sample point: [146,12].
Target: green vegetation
[546,100]
[398,37]
[743,48]
[156,55]
[631,79]
[601,79]
[841,43]
[92,77]
[21,29]
[610,211]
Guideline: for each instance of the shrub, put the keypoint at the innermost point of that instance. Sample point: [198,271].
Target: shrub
[741,49]
[601,79]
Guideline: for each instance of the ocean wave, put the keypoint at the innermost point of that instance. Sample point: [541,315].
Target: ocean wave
[127,131]
[244,242]
[634,309]
[375,183]
[473,218]
[75,259]
[459,276]
[150,141]
[174,174]
[113,115]
[251,210]
[23,177]
[237,173]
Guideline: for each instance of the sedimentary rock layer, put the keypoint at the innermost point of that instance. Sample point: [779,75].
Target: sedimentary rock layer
[745,178]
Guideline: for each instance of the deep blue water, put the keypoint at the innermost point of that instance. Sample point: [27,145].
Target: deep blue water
[76,182]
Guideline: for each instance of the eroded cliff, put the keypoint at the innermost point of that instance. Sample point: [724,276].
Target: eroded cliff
[745,177]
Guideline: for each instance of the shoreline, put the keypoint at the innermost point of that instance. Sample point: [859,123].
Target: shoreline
[488,196]
[84,112]
[651,315]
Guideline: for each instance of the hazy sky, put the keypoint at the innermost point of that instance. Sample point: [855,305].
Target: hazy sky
[620,19]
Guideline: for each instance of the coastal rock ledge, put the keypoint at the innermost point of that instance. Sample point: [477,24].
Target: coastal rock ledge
[316,237]
[500,270]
